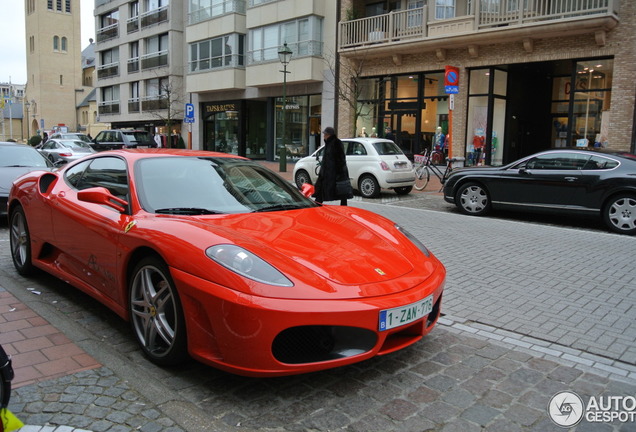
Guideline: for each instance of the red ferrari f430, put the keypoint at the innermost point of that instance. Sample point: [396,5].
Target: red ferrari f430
[216,257]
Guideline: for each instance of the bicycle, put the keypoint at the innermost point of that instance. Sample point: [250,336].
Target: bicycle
[425,165]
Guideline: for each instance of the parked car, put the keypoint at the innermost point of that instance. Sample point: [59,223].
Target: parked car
[576,181]
[15,160]
[123,138]
[216,256]
[71,136]
[65,150]
[373,163]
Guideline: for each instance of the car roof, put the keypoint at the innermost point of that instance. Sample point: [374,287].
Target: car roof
[136,154]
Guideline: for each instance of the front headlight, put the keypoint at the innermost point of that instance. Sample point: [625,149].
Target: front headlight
[414,239]
[247,264]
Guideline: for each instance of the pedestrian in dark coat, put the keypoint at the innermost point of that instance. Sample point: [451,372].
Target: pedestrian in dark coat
[333,167]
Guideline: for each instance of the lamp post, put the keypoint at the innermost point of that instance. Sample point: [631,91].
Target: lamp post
[284,55]
[27,105]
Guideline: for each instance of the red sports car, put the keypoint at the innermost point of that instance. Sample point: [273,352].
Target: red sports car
[214,256]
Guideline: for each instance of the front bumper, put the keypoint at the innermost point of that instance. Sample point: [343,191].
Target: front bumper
[259,336]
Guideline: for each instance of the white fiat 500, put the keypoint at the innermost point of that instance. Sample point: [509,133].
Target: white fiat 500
[373,163]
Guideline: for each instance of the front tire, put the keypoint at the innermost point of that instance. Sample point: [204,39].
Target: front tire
[620,214]
[369,186]
[20,242]
[301,178]
[422,177]
[473,199]
[156,314]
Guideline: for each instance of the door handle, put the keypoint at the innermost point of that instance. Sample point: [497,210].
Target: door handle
[571,179]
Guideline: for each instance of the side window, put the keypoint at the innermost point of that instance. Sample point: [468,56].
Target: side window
[74,175]
[108,172]
[558,161]
[600,163]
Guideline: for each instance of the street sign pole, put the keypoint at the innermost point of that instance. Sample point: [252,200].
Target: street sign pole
[451,83]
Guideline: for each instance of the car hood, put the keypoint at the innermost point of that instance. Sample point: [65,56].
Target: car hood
[335,252]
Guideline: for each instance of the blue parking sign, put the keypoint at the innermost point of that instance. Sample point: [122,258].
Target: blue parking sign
[189,113]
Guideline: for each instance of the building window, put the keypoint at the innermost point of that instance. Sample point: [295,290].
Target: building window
[56,43]
[303,37]
[58,5]
[224,51]
[61,79]
[49,4]
[109,100]
[64,44]
[68,6]
[444,9]
[156,52]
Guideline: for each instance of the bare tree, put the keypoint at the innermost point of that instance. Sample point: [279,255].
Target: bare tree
[169,105]
[348,87]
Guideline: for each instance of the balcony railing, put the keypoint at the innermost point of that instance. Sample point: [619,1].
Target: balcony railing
[154,17]
[153,103]
[419,24]
[133,65]
[107,70]
[109,107]
[154,60]
[215,63]
[133,105]
[216,10]
[300,49]
[108,32]
[132,25]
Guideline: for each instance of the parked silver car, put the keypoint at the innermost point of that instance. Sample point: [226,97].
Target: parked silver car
[65,150]
[373,163]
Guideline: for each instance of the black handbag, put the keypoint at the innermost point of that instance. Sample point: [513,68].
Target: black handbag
[344,189]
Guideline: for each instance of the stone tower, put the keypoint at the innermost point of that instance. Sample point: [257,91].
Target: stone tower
[54,65]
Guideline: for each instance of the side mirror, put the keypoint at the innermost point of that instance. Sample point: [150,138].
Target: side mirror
[102,196]
[307,190]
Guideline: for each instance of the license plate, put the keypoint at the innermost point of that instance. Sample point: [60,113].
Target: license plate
[391,318]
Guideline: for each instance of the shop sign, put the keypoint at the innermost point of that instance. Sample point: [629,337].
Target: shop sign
[220,108]
[451,80]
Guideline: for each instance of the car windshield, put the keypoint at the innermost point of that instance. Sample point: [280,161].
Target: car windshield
[137,136]
[80,137]
[21,156]
[387,148]
[195,185]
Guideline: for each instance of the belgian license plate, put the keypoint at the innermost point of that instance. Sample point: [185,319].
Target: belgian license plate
[391,318]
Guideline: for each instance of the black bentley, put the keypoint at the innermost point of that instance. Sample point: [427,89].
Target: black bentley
[580,181]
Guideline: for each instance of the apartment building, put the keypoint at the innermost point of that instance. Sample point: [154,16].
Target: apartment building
[221,56]
[140,63]
[524,75]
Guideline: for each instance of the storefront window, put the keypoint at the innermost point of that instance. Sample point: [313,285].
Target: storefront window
[296,133]
[486,117]
[592,103]
[222,128]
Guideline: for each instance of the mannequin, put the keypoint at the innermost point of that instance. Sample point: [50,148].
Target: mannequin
[439,140]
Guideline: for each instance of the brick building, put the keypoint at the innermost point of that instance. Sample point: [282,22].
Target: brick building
[533,74]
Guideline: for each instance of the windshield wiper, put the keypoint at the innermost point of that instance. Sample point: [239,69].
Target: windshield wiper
[277,207]
[187,211]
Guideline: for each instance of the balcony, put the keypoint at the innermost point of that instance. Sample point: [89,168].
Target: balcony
[487,22]
[132,25]
[109,107]
[154,60]
[154,103]
[133,65]
[154,17]
[133,105]
[108,32]
[217,10]
[107,70]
